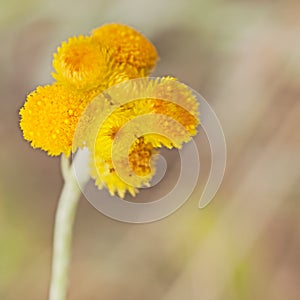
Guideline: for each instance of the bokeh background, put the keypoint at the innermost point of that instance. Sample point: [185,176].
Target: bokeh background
[244,58]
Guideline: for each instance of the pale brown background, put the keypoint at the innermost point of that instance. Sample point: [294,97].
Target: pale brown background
[244,58]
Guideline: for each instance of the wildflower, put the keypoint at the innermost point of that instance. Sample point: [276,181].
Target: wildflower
[94,104]
[128,48]
[136,170]
[80,63]
[126,124]
[49,117]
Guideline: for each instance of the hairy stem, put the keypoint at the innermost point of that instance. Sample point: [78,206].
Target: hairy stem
[63,229]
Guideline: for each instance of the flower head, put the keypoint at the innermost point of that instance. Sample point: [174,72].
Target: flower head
[126,124]
[136,170]
[127,48]
[94,104]
[80,63]
[49,117]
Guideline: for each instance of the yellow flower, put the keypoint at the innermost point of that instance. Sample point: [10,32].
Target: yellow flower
[136,170]
[82,64]
[122,125]
[129,49]
[127,123]
[176,108]
[50,115]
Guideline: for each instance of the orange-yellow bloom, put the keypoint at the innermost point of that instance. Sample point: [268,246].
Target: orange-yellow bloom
[138,169]
[50,115]
[137,117]
[125,124]
[128,48]
[81,63]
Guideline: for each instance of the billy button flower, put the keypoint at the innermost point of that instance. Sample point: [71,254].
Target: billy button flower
[50,115]
[164,113]
[141,162]
[140,154]
[177,105]
[122,127]
[128,48]
[81,63]
[84,67]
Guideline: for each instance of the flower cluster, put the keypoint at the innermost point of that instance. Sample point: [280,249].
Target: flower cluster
[86,70]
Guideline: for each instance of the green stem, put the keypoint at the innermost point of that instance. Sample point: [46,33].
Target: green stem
[63,229]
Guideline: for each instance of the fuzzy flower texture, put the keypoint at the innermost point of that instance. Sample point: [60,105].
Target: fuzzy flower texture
[88,66]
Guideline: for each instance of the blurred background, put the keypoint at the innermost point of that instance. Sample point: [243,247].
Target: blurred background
[244,58]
